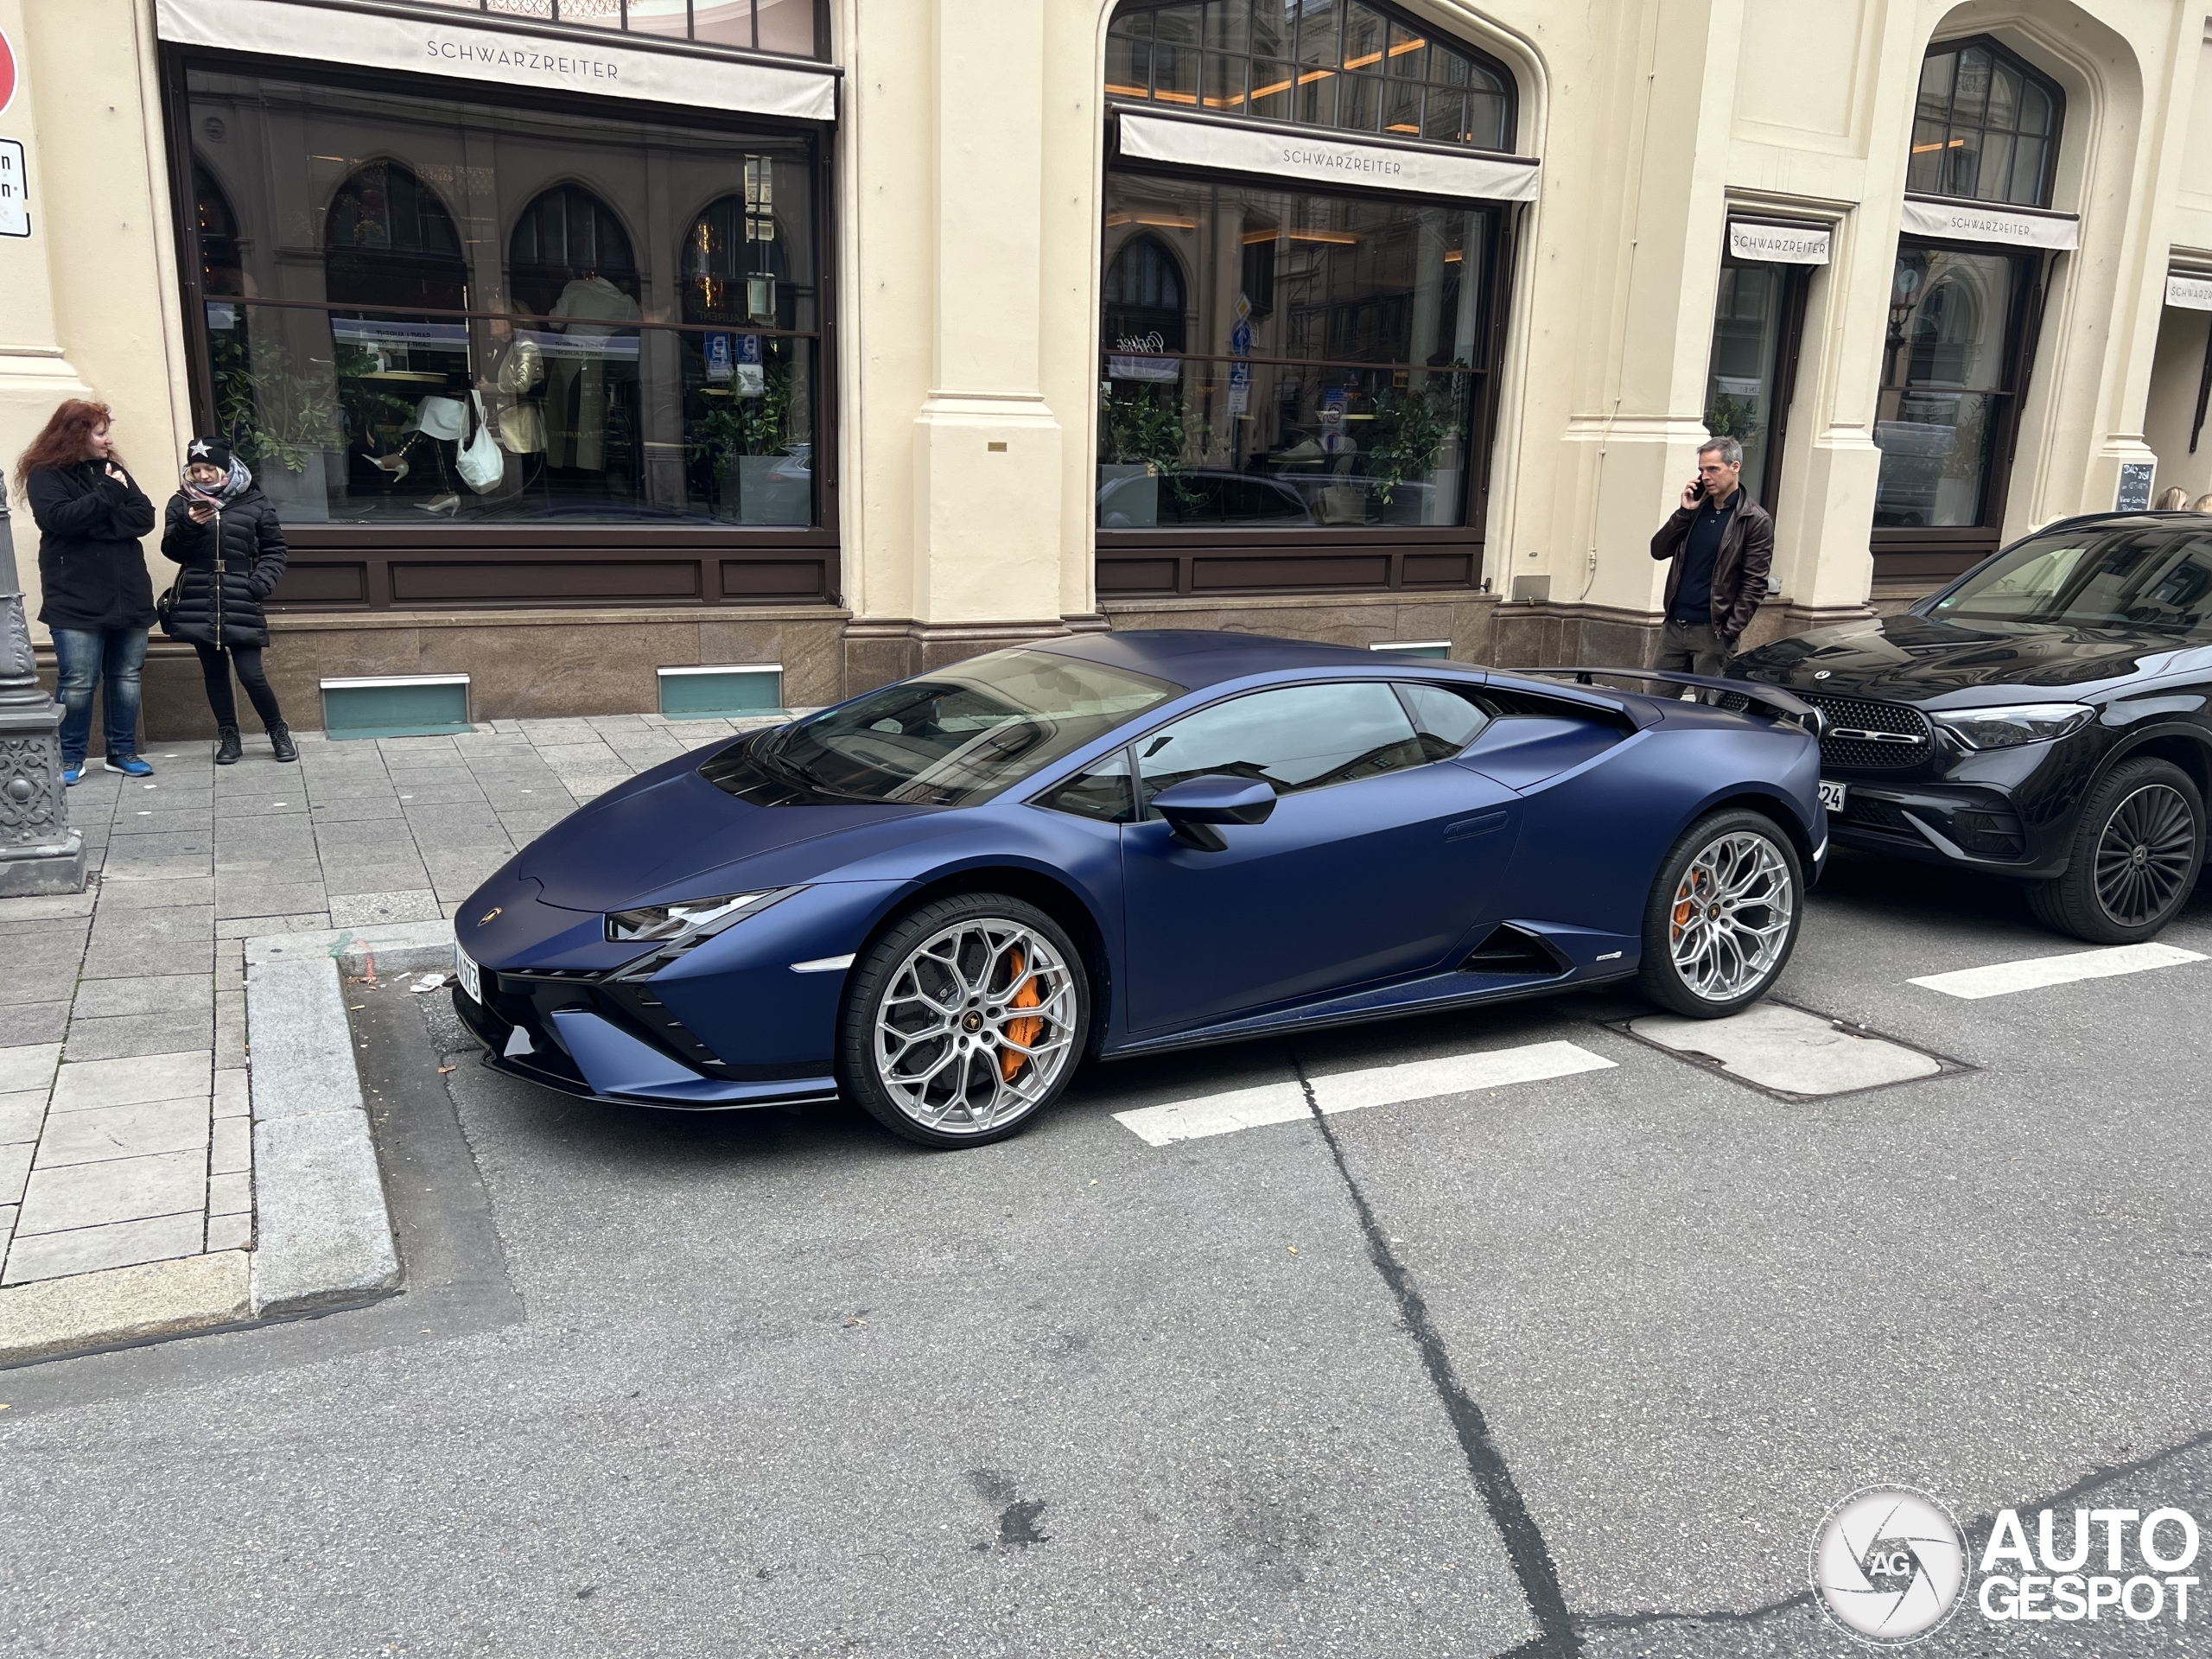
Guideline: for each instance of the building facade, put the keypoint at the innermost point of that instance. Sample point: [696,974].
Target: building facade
[581,339]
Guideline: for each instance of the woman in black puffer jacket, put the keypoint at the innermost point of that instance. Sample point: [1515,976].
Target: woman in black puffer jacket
[223,530]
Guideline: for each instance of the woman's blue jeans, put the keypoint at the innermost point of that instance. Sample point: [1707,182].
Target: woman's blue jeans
[111,659]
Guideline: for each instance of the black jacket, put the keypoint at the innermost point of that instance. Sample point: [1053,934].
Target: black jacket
[223,606]
[1738,570]
[90,570]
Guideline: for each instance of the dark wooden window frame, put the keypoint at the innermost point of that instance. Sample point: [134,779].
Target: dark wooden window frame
[1189,562]
[444,11]
[2050,89]
[1928,556]
[1797,289]
[365,569]
[1925,557]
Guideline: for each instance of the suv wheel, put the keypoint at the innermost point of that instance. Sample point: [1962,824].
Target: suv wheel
[1722,917]
[2137,850]
[964,1020]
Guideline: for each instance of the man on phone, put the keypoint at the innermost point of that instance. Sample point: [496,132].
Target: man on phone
[1722,544]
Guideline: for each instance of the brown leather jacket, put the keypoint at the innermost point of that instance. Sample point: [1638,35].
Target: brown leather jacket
[1738,570]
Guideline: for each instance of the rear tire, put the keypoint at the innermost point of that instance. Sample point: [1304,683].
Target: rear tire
[2137,848]
[967,1018]
[1723,915]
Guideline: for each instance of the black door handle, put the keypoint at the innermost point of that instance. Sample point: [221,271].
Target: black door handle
[1481,825]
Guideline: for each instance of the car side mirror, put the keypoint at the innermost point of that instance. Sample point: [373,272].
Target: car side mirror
[1193,807]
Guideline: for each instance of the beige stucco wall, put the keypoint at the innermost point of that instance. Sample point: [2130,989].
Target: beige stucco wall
[967,247]
[88,301]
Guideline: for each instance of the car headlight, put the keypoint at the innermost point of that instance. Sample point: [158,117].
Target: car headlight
[693,917]
[2010,726]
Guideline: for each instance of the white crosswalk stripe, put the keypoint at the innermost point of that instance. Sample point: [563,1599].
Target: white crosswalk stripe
[2003,978]
[1348,1092]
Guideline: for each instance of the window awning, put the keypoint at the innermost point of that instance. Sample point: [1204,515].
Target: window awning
[2191,290]
[1952,220]
[1778,242]
[1316,156]
[496,59]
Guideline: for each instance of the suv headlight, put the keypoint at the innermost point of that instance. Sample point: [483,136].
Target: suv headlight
[2017,723]
[681,923]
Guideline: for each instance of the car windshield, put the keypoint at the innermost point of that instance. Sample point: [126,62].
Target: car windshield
[960,736]
[2092,578]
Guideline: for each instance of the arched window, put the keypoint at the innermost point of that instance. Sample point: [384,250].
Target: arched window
[567,235]
[1355,66]
[1144,305]
[388,241]
[735,267]
[221,269]
[1986,126]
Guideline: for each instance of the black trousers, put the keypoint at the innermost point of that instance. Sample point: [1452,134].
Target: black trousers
[215,668]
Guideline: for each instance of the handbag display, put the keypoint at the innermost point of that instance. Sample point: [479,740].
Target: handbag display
[481,462]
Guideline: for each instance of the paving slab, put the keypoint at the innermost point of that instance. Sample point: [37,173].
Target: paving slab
[1781,1047]
[89,1249]
[303,1061]
[29,1066]
[84,1085]
[20,1117]
[120,1189]
[236,897]
[111,1131]
[234,1097]
[60,906]
[15,1171]
[230,1149]
[367,909]
[109,999]
[43,1021]
[232,929]
[230,1193]
[157,895]
[133,1034]
[230,1232]
[123,1305]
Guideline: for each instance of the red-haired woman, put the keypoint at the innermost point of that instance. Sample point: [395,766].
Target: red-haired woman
[98,599]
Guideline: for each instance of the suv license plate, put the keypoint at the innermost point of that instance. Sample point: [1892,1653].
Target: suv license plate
[473,982]
[1832,795]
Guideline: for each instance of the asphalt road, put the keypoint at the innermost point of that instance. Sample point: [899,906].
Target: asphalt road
[1565,1367]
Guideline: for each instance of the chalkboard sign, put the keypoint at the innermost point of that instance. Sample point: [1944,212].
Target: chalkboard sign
[2134,486]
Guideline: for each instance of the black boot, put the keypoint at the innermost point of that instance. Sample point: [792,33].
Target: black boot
[280,735]
[229,749]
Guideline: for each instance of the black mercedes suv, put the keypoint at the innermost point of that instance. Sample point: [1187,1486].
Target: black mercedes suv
[2047,717]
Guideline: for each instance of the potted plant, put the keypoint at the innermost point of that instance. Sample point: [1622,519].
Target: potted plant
[1411,426]
[761,477]
[1141,440]
[283,424]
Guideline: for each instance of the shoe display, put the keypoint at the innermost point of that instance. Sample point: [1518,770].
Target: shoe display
[442,504]
[73,773]
[130,765]
[229,749]
[280,738]
[395,464]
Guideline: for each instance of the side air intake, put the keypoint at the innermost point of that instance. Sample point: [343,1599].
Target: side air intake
[1510,949]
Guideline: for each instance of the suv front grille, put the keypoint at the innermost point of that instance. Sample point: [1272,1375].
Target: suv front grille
[1867,736]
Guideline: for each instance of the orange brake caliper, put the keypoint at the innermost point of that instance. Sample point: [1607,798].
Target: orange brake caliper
[1025,1032]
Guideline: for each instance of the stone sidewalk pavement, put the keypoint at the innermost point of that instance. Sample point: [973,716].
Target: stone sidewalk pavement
[125,1125]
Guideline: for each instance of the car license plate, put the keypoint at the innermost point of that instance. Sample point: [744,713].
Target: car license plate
[1832,795]
[473,981]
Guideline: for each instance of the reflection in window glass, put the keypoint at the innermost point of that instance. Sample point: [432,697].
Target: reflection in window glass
[419,310]
[2136,579]
[1284,358]
[1348,64]
[1299,737]
[1744,377]
[1103,792]
[786,26]
[957,737]
[1985,126]
[1447,720]
[1946,385]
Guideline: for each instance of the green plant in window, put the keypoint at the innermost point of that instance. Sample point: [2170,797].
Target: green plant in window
[1731,417]
[368,406]
[747,426]
[1143,427]
[1410,426]
[271,416]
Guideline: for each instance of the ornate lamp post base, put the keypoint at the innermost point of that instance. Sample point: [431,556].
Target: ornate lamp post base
[39,851]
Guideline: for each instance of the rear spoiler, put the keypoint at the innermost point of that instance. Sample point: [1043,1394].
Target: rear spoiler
[1772,698]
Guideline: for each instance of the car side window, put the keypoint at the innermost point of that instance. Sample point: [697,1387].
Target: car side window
[1444,719]
[1295,737]
[1102,793]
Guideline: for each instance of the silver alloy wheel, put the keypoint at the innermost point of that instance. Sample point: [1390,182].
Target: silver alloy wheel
[1731,916]
[2145,854]
[977,1025]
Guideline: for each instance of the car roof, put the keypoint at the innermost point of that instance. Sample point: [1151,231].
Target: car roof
[1196,658]
[2149,518]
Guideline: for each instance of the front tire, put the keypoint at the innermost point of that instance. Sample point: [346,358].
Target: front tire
[1723,915]
[964,1020]
[2137,848]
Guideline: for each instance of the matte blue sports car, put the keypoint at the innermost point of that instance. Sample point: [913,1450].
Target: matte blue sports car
[940,897]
